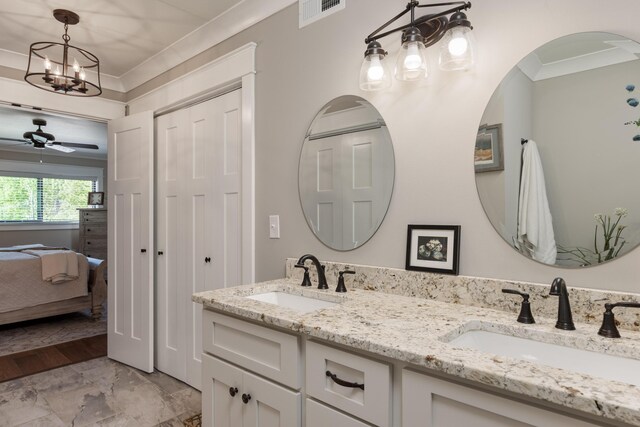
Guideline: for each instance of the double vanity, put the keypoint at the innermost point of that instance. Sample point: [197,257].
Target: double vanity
[277,353]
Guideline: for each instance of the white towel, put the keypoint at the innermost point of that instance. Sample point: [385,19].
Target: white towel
[58,266]
[535,225]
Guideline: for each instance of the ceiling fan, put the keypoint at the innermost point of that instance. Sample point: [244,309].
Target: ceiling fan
[41,140]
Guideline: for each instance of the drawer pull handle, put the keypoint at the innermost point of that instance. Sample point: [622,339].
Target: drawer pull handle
[344,383]
[246,398]
[233,391]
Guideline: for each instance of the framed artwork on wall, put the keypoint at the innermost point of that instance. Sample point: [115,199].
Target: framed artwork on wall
[488,156]
[433,248]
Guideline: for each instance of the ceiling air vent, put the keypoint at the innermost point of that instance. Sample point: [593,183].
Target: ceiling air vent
[313,10]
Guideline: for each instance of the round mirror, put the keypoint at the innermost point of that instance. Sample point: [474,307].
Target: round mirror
[557,151]
[346,173]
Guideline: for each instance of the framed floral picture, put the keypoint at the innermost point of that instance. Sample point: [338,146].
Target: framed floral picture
[433,248]
[488,155]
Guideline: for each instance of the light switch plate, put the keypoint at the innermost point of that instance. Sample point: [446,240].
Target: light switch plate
[274,226]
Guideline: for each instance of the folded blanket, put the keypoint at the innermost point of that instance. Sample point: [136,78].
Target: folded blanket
[58,266]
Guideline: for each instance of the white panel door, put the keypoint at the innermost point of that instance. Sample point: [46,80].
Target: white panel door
[221,394]
[366,183]
[171,145]
[213,222]
[198,206]
[130,240]
[269,405]
[322,183]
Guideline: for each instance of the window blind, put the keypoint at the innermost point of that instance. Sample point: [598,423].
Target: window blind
[29,199]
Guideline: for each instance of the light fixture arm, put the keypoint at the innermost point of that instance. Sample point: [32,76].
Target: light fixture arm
[461,5]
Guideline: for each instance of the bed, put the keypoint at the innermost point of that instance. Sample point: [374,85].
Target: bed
[24,295]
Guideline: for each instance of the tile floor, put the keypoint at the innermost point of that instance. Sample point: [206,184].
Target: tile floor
[98,392]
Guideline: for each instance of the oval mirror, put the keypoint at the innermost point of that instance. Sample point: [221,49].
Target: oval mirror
[346,173]
[557,151]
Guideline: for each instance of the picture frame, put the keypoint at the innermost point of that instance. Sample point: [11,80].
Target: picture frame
[488,154]
[95,198]
[433,248]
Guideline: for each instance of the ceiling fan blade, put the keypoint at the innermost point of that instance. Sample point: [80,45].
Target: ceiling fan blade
[58,147]
[13,140]
[77,145]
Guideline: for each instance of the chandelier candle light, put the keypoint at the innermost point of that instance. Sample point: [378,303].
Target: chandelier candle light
[457,50]
[61,67]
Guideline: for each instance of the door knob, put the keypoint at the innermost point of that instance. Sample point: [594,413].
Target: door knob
[233,391]
[246,398]
[160,253]
[207,259]
[143,251]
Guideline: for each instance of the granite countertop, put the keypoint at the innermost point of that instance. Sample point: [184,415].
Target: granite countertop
[417,331]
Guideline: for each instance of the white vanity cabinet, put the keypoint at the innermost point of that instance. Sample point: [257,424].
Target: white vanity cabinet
[233,397]
[232,394]
[432,402]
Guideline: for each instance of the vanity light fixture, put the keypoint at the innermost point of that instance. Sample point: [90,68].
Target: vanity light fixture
[61,67]
[457,50]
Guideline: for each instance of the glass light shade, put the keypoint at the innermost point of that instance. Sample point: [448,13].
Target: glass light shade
[457,49]
[411,63]
[374,73]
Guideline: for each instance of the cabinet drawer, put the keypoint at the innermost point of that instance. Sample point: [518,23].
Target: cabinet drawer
[373,404]
[319,415]
[94,244]
[96,230]
[270,353]
[97,216]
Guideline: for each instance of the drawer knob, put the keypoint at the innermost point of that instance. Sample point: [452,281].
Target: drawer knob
[207,259]
[344,383]
[233,391]
[88,229]
[246,398]
[88,243]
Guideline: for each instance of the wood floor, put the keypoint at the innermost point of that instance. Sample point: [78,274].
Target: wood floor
[29,362]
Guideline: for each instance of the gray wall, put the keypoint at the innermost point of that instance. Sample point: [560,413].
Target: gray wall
[433,125]
[63,238]
[590,158]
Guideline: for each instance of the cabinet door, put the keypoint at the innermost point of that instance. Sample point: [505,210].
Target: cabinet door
[431,402]
[270,405]
[220,382]
[319,415]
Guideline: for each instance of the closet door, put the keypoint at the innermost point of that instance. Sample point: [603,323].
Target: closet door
[171,322]
[212,225]
[199,224]
[130,241]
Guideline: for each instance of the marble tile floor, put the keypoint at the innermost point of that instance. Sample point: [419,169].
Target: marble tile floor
[98,392]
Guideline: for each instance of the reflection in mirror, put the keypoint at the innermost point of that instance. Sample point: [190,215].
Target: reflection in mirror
[566,193]
[346,173]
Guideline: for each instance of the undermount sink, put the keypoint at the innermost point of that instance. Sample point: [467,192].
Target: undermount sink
[294,302]
[601,365]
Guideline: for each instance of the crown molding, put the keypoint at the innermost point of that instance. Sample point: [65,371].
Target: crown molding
[233,21]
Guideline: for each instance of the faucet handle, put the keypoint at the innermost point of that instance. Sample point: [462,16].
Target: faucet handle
[306,281]
[341,287]
[525,315]
[609,328]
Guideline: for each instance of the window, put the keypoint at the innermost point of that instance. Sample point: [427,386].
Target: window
[34,195]
[39,199]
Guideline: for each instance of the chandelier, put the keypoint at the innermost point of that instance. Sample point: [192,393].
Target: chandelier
[457,50]
[61,67]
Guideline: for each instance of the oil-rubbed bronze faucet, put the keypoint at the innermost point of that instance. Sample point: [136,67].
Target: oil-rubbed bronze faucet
[322,279]
[559,289]
[609,328]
